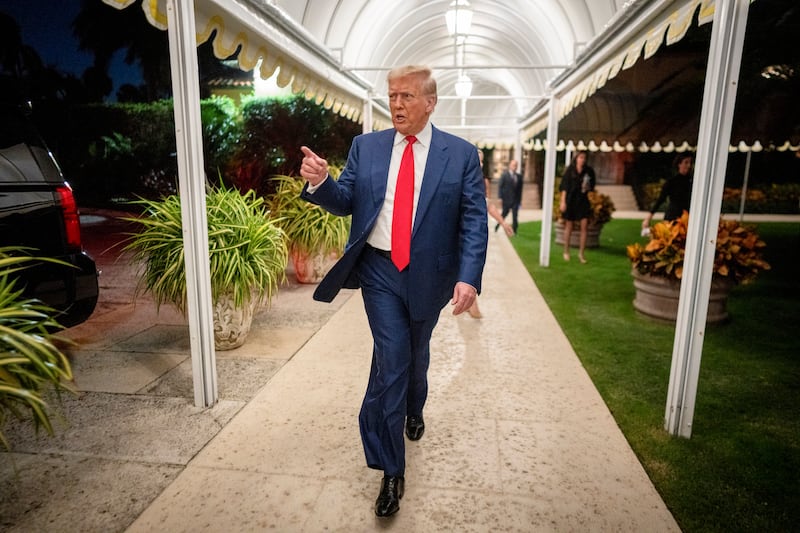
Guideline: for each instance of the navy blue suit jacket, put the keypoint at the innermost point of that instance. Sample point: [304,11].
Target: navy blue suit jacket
[448,241]
[510,190]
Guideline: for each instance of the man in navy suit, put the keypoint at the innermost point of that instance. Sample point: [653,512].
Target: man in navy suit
[510,193]
[403,303]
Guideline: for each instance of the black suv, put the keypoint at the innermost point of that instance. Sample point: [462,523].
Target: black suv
[38,210]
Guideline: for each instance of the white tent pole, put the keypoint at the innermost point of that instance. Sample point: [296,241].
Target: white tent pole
[549,181]
[192,183]
[719,98]
[744,184]
[367,124]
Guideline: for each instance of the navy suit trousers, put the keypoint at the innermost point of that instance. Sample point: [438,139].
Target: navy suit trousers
[398,384]
[514,210]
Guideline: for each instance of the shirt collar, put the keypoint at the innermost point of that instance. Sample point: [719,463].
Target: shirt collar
[423,137]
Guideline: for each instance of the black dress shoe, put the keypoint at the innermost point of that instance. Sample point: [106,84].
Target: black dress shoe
[388,502]
[415,427]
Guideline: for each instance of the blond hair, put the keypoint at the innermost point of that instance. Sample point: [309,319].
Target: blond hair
[428,82]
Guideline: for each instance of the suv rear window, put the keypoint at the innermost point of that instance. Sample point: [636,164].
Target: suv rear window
[17,137]
[17,128]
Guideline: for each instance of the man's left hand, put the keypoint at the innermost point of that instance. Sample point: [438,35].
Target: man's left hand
[464,296]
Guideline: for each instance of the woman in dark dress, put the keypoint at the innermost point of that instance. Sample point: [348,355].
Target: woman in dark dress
[677,188]
[578,180]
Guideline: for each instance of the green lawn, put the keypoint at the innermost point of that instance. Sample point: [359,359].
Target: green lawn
[740,471]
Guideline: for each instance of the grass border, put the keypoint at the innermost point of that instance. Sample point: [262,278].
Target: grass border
[740,471]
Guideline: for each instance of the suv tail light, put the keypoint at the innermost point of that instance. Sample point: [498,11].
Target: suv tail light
[71,219]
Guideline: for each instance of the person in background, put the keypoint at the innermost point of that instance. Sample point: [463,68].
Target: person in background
[578,180]
[678,188]
[491,207]
[418,238]
[474,310]
[510,193]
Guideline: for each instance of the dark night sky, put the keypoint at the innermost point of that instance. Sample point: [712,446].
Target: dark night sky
[46,25]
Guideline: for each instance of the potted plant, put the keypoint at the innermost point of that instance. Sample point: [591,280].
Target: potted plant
[247,253]
[602,207]
[316,237]
[29,359]
[658,266]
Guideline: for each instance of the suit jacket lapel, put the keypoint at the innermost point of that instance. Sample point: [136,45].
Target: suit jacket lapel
[434,169]
[379,166]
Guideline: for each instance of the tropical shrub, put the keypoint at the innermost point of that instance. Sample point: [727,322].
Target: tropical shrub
[119,151]
[273,129]
[602,208]
[739,251]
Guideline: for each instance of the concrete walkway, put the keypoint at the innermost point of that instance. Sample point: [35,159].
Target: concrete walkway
[517,437]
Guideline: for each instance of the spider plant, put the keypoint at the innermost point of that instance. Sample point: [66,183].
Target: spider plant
[28,358]
[247,251]
[309,228]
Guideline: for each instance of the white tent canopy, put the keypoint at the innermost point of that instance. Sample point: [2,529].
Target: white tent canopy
[262,32]
[646,27]
[338,51]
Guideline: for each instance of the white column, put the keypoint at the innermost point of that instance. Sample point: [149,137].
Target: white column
[719,97]
[192,183]
[549,182]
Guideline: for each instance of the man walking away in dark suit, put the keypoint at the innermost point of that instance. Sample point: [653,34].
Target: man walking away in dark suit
[510,193]
[418,239]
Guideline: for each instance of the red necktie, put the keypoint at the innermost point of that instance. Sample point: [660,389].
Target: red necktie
[403,208]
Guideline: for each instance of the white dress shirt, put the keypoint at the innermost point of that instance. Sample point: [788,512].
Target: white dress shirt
[381,236]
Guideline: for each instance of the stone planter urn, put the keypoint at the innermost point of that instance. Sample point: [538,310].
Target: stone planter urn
[592,234]
[231,323]
[657,297]
[311,268]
